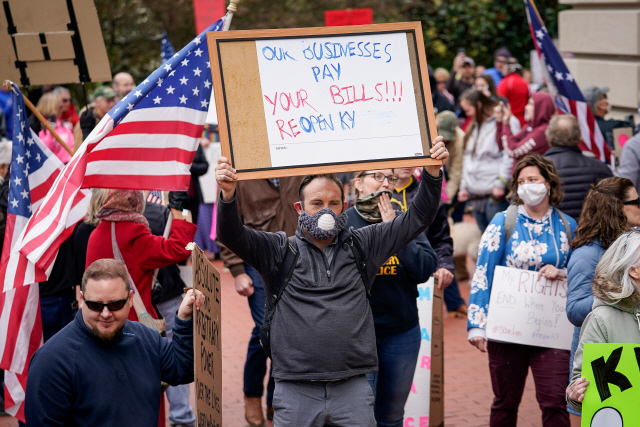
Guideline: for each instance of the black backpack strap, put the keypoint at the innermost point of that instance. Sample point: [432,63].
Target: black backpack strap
[510,219]
[286,271]
[361,261]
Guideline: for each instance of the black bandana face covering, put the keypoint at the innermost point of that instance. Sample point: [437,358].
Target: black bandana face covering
[324,225]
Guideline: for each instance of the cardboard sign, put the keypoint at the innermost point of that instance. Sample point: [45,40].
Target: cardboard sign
[207,348]
[612,396]
[317,100]
[52,42]
[525,310]
[416,412]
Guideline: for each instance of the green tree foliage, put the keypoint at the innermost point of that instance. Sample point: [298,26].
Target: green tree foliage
[479,26]
[132,28]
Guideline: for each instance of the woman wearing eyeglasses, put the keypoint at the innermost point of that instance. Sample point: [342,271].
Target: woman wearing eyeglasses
[393,298]
[537,240]
[610,209]
[614,318]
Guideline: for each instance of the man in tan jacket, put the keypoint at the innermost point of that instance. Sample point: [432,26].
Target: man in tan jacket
[265,205]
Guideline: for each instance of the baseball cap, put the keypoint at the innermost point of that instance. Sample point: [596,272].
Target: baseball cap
[469,61]
[503,51]
[104,91]
[446,121]
[592,94]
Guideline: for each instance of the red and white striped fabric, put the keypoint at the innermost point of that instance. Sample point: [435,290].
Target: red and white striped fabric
[34,168]
[592,139]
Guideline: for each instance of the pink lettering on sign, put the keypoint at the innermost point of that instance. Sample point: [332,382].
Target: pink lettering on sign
[409,422]
[426,362]
[413,388]
[286,100]
[424,422]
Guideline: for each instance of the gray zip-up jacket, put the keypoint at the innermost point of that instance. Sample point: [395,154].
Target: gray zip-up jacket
[323,327]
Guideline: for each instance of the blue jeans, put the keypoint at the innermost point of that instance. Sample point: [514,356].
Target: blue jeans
[492,207]
[452,298]
[56,313]
[255,368]
[397,358]
[180,412]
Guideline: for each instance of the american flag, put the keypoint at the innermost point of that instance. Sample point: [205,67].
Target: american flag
[147,141]
[154,196]
[569,99]
[167,48]
[33,170]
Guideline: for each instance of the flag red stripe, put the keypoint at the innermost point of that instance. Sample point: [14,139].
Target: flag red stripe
[6,246]
[135,182]
[17,308]
[143,155]
[176,127]
[60,192]
[591,122]
[41,190]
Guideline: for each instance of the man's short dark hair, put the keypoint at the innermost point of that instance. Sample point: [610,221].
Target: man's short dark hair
[563,131]
[106,268]
[330,176]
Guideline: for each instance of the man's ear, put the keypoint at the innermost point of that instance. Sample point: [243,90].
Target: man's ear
[298,206]
[81,296]
[131,296]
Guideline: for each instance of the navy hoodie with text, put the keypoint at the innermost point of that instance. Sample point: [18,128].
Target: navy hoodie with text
[395,289]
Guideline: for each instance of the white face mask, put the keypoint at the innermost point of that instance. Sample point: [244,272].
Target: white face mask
[532,194]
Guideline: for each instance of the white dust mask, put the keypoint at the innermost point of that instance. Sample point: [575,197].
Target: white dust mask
[532,194]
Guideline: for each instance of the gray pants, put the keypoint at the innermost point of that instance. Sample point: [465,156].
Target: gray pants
[344,403]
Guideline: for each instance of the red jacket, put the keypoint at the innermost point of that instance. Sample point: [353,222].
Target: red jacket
[531,138]
[516,90]
[142,252]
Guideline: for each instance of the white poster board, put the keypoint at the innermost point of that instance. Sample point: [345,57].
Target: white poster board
[416,410]
[351,94]
[525,310]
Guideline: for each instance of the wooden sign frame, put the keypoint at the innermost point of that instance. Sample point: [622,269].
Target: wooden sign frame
[236,77]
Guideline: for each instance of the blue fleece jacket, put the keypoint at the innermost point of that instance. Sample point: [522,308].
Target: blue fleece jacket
[580,271]
[76,379]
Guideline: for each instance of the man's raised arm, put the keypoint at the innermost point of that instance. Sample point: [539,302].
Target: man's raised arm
[261,250]
[384,239]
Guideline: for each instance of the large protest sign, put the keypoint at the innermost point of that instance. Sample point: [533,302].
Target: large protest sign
[612,396]
[525,310]
[332,99]
[207,349]
[416,410]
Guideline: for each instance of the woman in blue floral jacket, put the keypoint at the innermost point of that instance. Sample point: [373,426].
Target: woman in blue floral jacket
[539,242]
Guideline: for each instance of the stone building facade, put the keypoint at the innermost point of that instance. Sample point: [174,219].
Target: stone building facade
[601,43]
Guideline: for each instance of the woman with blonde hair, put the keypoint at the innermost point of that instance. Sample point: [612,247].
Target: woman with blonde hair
[51,107]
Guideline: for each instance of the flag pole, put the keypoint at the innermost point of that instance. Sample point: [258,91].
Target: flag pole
[45,122]
[231,9]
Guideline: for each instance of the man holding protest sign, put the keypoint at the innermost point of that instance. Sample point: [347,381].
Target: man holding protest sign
[322,334]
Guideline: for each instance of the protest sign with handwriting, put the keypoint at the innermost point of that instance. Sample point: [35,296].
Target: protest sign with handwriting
[333,99]
[207,349]
[525,310]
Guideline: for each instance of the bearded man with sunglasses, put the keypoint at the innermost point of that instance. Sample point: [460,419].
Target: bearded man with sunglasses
[103,369]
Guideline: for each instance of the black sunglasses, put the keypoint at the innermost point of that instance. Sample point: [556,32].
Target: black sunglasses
[633,202]
[112,306]
[379,176]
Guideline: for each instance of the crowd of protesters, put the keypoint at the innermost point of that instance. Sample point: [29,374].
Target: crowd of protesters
[512,162]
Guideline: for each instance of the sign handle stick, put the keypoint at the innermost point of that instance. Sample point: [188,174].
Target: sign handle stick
[231,9]
[45,122]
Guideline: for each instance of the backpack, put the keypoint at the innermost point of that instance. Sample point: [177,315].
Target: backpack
[286,271]
[511,217]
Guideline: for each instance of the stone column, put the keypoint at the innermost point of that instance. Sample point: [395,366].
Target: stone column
[600,40]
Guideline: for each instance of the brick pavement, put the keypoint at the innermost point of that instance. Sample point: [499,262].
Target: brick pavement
[467,386]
